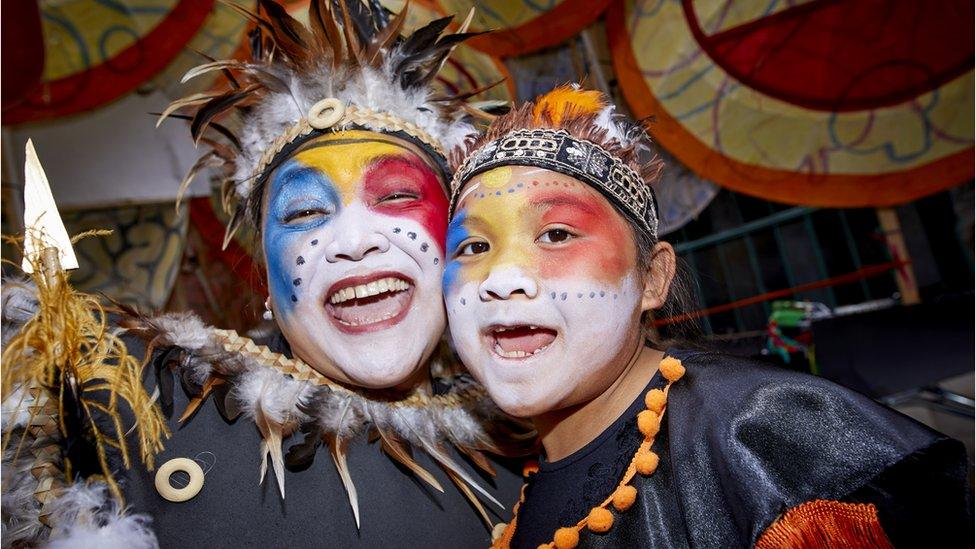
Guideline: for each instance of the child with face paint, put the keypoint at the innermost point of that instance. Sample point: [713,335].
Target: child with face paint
[340,167]
[554,265]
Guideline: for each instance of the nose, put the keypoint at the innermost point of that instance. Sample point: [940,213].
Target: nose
[355,237]
[506,282]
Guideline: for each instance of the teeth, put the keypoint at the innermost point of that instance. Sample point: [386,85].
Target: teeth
[376,287]
[516,354]
[367,320]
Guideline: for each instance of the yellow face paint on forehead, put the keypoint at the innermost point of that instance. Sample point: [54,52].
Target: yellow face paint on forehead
[344,156]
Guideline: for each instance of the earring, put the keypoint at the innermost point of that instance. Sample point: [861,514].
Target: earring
[268,314]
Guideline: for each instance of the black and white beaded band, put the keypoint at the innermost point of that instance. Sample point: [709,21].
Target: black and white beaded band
[558,151]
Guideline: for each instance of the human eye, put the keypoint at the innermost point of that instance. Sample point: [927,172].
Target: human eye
[304,215]
[476,247]
[398,197]
[555,235]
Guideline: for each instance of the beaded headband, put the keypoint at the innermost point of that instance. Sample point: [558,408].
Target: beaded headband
[332,114]
[559,151]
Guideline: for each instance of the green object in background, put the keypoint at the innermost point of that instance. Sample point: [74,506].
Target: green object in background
[787,314]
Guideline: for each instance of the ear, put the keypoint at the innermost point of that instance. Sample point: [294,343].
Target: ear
[657,279]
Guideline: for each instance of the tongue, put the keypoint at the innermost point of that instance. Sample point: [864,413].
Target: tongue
[369,310]
[527,340]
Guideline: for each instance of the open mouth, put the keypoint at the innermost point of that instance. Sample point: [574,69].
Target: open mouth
[520,340]
[369,303]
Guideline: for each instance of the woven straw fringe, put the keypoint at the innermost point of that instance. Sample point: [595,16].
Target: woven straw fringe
[354,115]
[294,367]
[46,450]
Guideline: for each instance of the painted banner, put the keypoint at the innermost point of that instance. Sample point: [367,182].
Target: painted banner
[524,26]
[820,103]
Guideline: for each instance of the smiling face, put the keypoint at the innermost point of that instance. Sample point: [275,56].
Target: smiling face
[353,235]
[543,292]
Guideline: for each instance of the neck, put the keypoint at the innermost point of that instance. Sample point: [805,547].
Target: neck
[565,431]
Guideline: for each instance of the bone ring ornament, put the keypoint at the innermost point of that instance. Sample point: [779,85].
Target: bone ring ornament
[177,495]
[326,113]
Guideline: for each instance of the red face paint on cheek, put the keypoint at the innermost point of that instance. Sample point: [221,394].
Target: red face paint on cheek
[408,175]
[603,249]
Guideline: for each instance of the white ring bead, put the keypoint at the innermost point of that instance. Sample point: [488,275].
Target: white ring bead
[326,113]
[177,495]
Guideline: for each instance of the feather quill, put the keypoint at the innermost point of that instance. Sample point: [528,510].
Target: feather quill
[459,482]
[209,160]
[337,449]
[270,446]
[217,106]
[445,460]
[395,448]
[188,101]
[387,36]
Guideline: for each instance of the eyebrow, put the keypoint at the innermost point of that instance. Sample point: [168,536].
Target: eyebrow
[566,200]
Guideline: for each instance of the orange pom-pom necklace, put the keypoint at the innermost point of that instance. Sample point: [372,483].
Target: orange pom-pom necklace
[600,519]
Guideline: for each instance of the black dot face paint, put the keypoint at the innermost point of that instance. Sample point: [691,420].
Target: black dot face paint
[294,298]
[412,235]
[553,295]
[463,302]
[579,296]
[315,242]
[563,296]
[602,293]
[436,261]
[300,260]
[592,295]
[396,230]
[423,247]
[297,282]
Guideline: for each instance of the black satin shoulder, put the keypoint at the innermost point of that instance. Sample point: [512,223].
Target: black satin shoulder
[742,442]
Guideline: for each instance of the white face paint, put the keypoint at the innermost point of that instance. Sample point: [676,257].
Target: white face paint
[542,290]
[353,240]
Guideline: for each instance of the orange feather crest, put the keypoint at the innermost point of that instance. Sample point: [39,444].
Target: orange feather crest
[567,101]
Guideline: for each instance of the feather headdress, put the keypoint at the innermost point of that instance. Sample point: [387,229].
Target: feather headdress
[351,68]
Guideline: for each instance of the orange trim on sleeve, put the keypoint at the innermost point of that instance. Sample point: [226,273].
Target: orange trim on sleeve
[826,523]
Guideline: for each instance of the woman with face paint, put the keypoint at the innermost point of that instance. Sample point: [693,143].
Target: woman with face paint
[340,168]
[554,266]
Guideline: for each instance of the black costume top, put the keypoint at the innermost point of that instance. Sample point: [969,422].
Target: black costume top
[742,442]
[233,510]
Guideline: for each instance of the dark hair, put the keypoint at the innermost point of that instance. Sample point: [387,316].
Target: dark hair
[681,293]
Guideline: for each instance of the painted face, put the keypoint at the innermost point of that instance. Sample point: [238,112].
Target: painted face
[353,235]
[542,288]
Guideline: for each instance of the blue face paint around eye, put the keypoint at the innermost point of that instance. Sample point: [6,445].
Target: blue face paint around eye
[294,188]
[456,234]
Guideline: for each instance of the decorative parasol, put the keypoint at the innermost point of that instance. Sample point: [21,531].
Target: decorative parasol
[844,104]
[95,52]
[525,26]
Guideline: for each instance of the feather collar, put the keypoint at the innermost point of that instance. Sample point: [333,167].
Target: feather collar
[284,395]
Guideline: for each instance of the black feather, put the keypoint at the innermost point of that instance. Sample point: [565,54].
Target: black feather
[226,72]
[219,128]
[290,35]
[256,40]
[226,405]
[361,16]
[164,376]
[425,36]
[77,444]
[217,106]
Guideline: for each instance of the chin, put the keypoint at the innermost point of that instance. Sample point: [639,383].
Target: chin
[519,402]
[390,357]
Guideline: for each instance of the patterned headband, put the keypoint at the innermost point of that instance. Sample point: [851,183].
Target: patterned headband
[558,151]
